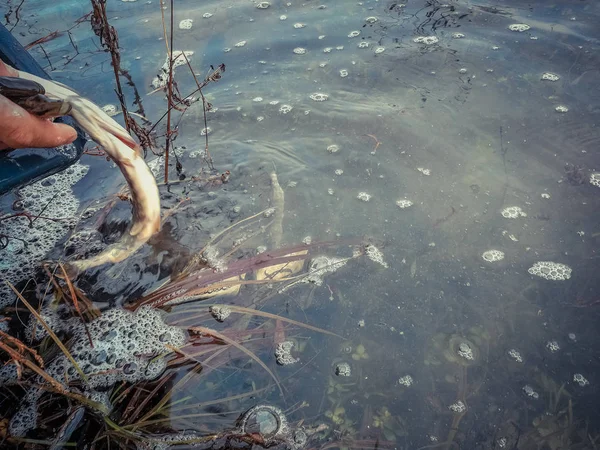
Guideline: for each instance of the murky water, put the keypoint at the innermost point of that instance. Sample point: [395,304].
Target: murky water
[477,120]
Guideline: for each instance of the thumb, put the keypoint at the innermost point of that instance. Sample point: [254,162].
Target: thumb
[19,129]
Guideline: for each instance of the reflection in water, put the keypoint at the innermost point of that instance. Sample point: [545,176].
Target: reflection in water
[472,132]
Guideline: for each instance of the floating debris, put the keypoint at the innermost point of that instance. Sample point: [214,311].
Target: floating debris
[220,312]
[263,5]
[427,40]
[515,355]
[319,97]
[519,27]
[283,17]
[343,73]
[353,34]
[545,195]
[493,255]
[333,148]
[371,19]
[595,179]
[424,171]
[457,35]
[580,380]
[207,15]
[299,25]
[404,203]
[186,24]
[338,171]
[528,390]
[549,76]
[552,346]
[513,212]
[363,196]
[343,369]
[241,44]
[284,109]
[283,353]
[379,50]
[462,70]
[363,44]
[561,109]
[458,407]
[572,337]
[299,51]
[375,255]
[551,270]
[406,380]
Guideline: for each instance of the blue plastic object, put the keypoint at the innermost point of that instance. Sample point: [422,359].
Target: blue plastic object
[24,166]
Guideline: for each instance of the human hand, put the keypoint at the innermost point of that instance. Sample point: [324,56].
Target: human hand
[20,129]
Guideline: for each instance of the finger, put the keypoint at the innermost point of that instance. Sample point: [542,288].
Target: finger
[19,129]
[7,71]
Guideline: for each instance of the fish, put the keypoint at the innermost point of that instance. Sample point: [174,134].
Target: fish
[127,154]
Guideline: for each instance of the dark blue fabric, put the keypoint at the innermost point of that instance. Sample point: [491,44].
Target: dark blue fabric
[24,166]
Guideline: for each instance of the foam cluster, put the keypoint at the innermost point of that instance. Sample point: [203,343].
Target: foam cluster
[375,255]
[283,353]
[493,255]
[220,312]
[513,212]
[50,198]
[127,346]
[551,270]
[427,40]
